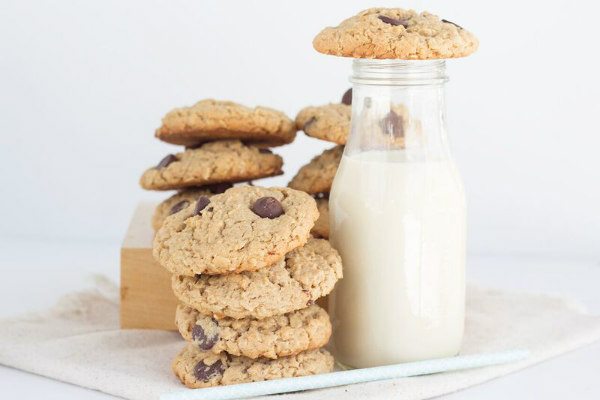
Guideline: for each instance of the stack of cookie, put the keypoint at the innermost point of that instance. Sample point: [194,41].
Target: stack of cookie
[225,143]
[247,273]
[330,122]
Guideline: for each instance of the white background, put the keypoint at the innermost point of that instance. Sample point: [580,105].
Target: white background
[84,84]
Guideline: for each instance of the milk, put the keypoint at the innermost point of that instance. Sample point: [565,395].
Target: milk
[400,228]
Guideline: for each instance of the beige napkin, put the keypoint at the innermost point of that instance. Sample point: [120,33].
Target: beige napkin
[79,341]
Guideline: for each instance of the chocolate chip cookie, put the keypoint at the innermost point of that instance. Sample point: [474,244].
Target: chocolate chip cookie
[330,122]
[273,337]
[294,283]
[317,176]
[183,199]
[210,120]
[386,33]
[395,129]
[244,229]
[198,369]
[215,162]
[321,228]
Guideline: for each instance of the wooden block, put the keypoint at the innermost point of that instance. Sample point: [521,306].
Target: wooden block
[147,301]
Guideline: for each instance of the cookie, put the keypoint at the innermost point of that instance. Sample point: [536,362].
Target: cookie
[306,274]
[321,228]
[244,229]
[183,199]
[215,162]
[389,130]
[330,122]
[394,33]
[393,129]
[210,120]
[199,369]
[273,337]
[317,176]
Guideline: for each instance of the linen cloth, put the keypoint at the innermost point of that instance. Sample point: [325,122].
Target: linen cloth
[79,341]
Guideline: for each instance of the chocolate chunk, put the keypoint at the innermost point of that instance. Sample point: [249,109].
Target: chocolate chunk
[394,124]
[219,187]
[179,206]
[166,161]
[267,207]
[393,21]
[309,123]
[452,23]
[347,97]
[205,373]
[204,341]
[201,205]
[265,151]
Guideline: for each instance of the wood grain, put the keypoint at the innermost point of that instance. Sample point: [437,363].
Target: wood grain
[147,301]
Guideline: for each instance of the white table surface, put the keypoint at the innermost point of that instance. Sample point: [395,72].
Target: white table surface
[35,274]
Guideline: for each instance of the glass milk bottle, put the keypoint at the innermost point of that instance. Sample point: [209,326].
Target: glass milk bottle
[398,216]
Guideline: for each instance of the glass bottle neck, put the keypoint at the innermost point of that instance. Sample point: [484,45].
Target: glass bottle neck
[399,106]
[398,72]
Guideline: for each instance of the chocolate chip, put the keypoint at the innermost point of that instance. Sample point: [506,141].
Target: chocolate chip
[193,146]
[179,206]
[219,187]
[452,23]
[201,205]
[321,195]
[166,161]
[204,372]
[309,123]
[204,341]
[393,21]
[265,151]
[347,97]
[394,124]
[267,207]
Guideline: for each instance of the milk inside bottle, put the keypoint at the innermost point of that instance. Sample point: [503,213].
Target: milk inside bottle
[398,219]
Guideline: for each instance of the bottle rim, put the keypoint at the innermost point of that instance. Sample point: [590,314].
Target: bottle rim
[398,72]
